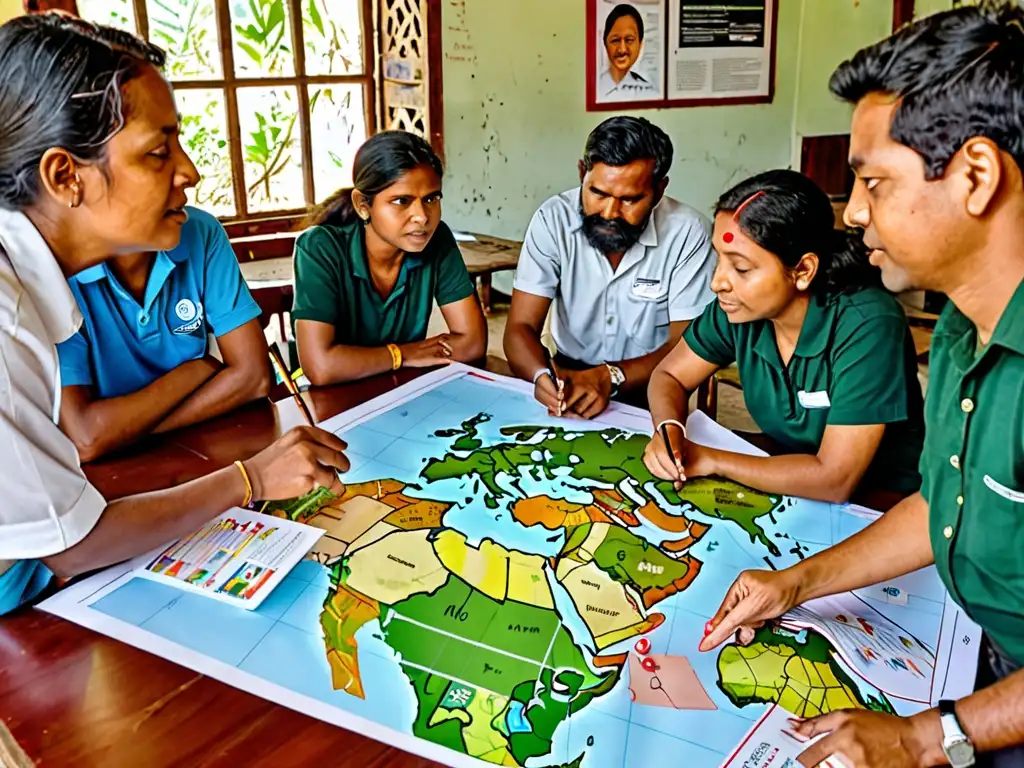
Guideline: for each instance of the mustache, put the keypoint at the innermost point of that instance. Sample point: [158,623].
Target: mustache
[612,235]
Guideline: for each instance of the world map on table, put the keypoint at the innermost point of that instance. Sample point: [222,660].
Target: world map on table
[487,577]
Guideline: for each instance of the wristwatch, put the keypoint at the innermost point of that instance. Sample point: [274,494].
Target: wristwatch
[618,377]
[955,743]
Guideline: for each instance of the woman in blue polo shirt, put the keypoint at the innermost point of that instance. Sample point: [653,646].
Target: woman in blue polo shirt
[824,353]
[142,360]
[373,263]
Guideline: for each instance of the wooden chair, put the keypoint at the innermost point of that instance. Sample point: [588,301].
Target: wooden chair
[707,393]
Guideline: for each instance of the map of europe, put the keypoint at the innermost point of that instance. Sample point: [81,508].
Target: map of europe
[483,582]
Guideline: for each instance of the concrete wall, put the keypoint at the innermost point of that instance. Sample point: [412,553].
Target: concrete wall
[516,122]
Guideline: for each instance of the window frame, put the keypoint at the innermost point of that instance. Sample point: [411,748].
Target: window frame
[230,84]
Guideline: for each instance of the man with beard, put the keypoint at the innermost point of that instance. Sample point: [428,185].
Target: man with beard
[626,267]
[937,144]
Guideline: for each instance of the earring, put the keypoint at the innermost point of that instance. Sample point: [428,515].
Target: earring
[76,193]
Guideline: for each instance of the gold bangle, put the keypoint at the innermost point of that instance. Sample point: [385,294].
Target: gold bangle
[396,356]
[248,483]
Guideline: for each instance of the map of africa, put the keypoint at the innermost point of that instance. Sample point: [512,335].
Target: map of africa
[484,578]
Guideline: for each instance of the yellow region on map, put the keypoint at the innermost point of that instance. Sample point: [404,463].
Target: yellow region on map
[396,567]
[485,568]
[776,673]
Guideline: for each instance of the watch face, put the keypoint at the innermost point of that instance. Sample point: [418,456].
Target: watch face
[960,754]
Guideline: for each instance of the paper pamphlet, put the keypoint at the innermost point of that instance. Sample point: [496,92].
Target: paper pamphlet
[238,558]
[771,743]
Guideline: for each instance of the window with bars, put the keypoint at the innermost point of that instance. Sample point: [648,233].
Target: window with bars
[275,96]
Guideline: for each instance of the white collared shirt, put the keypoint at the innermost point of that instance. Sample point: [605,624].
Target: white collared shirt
[633,86]
[48,505]
[601,316]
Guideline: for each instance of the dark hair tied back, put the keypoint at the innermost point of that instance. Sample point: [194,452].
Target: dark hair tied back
[793,217]
[61,82]
[379,163]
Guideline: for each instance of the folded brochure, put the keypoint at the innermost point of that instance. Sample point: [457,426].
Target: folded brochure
[237,558]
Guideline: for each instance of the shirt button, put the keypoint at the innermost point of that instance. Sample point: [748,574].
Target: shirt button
[611,320]
[948,531]
[960,501]
[955,461]
[143,318]
[967,405]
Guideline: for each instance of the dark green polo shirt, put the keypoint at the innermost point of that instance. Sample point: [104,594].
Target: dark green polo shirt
[854,364]
[333,285]
[973,469]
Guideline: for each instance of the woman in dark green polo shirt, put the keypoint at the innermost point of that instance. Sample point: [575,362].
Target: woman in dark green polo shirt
[371,265]
[824,354]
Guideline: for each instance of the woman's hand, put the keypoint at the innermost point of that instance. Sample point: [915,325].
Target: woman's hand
[304,459]
[436,350]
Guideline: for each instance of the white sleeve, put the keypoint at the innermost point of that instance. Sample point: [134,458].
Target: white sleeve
[689,287]
[540,265]
[48,504]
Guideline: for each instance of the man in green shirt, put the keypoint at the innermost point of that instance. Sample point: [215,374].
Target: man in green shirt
[938,148]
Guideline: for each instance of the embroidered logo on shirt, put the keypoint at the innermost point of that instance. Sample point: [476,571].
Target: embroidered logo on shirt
[186,310]
[192,314]
[647,288]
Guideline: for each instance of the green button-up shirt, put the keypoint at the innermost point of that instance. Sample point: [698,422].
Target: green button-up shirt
[854,364]
[973,469]
[333,285]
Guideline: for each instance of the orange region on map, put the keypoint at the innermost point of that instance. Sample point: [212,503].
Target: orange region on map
[344,613]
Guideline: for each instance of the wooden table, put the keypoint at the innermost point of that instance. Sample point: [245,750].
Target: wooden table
[72,697]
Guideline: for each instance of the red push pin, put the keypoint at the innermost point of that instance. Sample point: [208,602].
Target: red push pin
[649,665]
[708,629]
[728,237]
[643,646]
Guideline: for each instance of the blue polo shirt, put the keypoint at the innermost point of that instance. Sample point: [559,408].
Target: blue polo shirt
[194,290]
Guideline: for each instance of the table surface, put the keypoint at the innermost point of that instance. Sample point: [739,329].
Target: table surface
[70,696]
[485,255]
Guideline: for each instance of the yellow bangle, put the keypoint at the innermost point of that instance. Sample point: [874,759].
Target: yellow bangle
[396,356]
[248,483]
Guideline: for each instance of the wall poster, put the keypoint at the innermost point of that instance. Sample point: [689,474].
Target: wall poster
[680,53]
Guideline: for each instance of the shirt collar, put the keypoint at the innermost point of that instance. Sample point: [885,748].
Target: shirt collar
[40,275]
[962,334]
[814,333]
[357,254]
[649,237]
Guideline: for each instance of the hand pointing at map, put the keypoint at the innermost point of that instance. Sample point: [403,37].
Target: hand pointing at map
[755,597]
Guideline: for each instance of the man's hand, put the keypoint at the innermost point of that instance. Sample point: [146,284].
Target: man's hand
[754,598]
[437,350]
[588,392]
[546,392]
[863,739]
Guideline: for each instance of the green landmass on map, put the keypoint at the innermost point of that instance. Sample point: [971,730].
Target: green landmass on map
[800,673]
[607,456]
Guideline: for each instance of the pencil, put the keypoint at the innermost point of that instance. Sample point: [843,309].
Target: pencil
[292,389]
[671,451]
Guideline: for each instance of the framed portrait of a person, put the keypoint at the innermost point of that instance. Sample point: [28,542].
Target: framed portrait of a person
[626,53]
[679,53]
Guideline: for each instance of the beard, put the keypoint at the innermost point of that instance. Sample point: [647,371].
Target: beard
[612,235]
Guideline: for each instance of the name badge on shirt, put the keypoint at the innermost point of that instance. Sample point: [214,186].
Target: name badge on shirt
[814,401]
[647,288]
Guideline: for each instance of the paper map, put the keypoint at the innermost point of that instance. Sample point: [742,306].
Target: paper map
[482,583]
